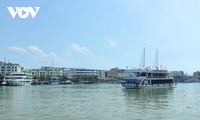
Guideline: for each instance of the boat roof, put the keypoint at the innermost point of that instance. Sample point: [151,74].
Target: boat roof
[145,70]
[18,73]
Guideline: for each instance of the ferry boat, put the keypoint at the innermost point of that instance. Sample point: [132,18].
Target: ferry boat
[18,79]
[145,77]
[140,78]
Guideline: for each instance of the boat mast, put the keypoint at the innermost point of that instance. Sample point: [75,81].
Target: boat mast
[156,61]
[142,61]
[144,58]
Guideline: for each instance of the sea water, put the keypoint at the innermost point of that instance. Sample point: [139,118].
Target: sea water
[99,102]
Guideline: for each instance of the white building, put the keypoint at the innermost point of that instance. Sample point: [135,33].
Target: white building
[7,68]
[116,73]
[177,73]
[47,71]
[104,74]
[74,72]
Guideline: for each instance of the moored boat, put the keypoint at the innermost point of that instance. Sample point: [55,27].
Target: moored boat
[142,78]
[146,77]
[88,82]
[54,82]
[18,79]
[65,82]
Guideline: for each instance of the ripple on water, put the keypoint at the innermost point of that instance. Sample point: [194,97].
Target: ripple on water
[97,102]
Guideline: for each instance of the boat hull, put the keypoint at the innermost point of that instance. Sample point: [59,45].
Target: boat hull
[135,86]
[19,82]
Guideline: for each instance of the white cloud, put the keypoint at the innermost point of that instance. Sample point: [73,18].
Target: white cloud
[112,43]
[79,49]
[17,49]
[35,49]
[38,51]
[41,53]
[76,56]
[80,56]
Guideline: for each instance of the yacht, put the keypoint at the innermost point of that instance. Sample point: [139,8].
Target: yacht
[146,77]
[18,79]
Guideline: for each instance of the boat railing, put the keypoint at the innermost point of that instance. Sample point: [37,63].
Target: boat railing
[157,77]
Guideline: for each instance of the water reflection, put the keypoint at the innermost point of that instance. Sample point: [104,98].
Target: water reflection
[152,99]
[11,93]
[98,101]
[13,100]
[147,92]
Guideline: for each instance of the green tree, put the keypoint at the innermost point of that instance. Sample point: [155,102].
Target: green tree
[48,78]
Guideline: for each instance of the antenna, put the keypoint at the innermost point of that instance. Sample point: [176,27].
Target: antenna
[4,60]
[52,62]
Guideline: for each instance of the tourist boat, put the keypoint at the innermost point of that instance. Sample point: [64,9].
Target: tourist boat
[146,77]
[65,82]
[18,79]
[3,82]
[54,82]
[140,78]
[88,82]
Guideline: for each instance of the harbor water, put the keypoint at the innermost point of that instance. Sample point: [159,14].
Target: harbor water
[99,102]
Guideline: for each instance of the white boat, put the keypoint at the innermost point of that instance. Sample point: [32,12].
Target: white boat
[18,79]
[3,82]
[54,82]
[145,77]
[65,82]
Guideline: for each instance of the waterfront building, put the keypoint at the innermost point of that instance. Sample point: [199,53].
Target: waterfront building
[177,73]
[116,73]
[53,72]
[104,74]
[179,76]
[196,75]
[72,73]
[8,68]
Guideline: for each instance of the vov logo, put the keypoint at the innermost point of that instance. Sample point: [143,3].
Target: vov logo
[23,12]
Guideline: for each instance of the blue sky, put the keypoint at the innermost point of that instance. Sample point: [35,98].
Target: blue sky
[102,34]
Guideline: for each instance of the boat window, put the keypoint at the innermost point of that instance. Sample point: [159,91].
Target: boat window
[148,74]
[159,75]
[161,81]
[143,74]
